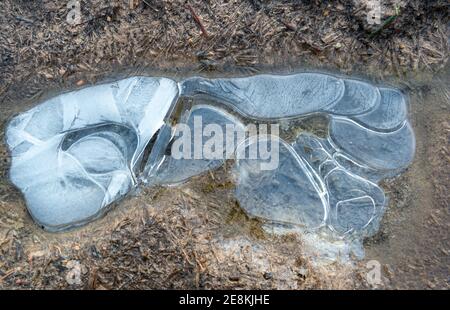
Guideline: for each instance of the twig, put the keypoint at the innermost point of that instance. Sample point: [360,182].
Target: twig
[387,23]
[23,19]
[289,26]
[148,4]
[197,20]
[7,274]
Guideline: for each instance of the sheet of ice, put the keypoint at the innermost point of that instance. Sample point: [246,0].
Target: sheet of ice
[74,154]
[324,156]
[275,97]
[270,96]
[359,97]
[355,204]
[351,165]
[172,169]
[378,150]
[390,114]
[289,194]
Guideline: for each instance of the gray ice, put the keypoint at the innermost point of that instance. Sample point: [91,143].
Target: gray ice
[289,194]
[389,115]
[286,96]
[209,122]
[315,190]
[271,96]
[379,150]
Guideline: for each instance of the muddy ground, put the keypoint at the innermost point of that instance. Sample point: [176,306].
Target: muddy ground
[196,236]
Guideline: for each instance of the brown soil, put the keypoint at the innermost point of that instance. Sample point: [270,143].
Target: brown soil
[196,236]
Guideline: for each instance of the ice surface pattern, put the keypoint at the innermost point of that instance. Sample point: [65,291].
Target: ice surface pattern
[294,95]
[169,170]
[75,154]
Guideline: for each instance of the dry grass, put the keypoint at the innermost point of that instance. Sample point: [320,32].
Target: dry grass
[41,50]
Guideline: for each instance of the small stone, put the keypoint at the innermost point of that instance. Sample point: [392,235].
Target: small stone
[268,275]
[234,278]
[80,83]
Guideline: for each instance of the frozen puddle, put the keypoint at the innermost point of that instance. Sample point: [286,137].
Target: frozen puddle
[75,154]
